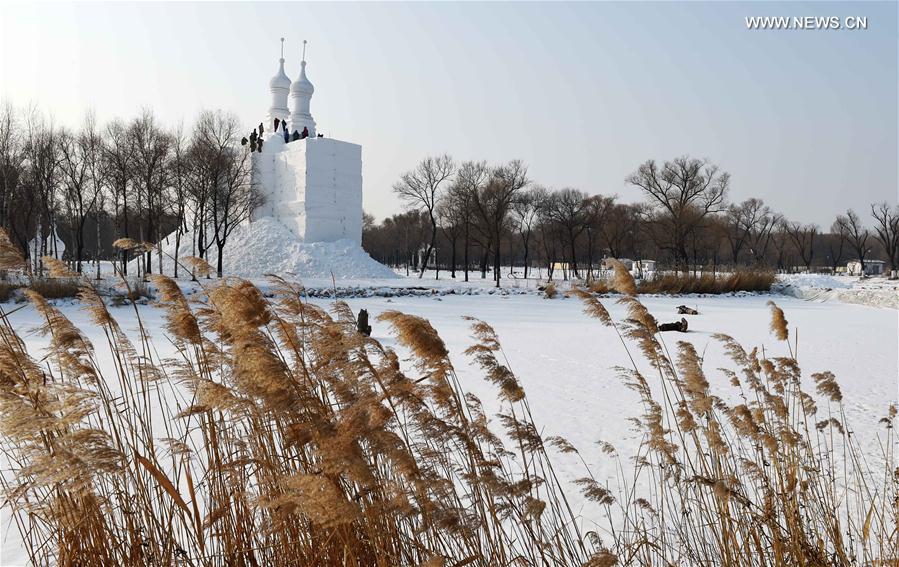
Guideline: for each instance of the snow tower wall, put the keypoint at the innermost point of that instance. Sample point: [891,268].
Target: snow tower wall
[313,187]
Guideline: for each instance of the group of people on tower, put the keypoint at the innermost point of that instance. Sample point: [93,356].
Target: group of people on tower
[291,137]
[255,138]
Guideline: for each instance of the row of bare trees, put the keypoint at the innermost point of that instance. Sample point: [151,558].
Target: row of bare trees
[465,216]
[135,180]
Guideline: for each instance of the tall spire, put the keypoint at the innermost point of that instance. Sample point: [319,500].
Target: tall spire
[300,96]
[279,86]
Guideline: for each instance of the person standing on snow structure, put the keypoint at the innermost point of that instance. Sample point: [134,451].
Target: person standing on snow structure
[305,133]
[277,121]
[261,129]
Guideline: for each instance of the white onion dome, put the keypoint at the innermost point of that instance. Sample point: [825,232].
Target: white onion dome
[302,85]
[281,80]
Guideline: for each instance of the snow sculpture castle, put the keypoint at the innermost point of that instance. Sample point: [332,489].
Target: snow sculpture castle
[313,186]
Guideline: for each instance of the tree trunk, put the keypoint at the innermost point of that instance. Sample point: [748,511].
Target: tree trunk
[424,265]
[465,253]
[218,266]
[177,246]
[125,222]
[573,256]
[79,251]
[98,243]
[525,242]
[496,260]
[453,260]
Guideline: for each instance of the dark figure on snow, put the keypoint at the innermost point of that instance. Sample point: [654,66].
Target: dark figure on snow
[680,326]
[295,136]
[253,136]
[305,133]
[684,310]
[243,141]
[260,145]
[284,125]
[277,121]
[286,135]
[321,135]
[261,129]
[362,323]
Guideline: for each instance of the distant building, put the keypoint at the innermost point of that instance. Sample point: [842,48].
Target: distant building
[872,267]
[643,266]
[626,262]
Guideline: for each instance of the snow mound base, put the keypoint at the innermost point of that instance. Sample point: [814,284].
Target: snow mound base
[265,246]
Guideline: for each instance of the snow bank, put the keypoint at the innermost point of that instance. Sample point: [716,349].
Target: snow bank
[874,292]
[265,246]
[815,281]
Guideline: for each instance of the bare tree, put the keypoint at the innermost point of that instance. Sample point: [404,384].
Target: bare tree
[567,210]
[43,156]
[619,227]
[836,242]
[886,229]
[452,219]
[803,238]
[225,167]
[12,163]
[470,180]
[81,180]
[421,188]
[152,149]
[743,222]
[526,212]
[781,241]
[119,170]
[494,202]
[597,210]
[857,236]
[761,237]
[179,188]
[684,191]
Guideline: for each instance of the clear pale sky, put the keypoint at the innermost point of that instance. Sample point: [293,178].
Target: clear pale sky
[583,92]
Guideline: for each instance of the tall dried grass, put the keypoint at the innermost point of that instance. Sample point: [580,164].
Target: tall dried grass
[671,283]
[775,479]
[295,440]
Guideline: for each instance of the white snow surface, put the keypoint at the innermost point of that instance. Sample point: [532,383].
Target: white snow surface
[265,246]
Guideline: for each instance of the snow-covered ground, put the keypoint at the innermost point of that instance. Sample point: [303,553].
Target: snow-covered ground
[564,359]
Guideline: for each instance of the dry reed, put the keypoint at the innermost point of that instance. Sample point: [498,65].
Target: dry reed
[295,440]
